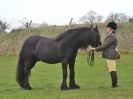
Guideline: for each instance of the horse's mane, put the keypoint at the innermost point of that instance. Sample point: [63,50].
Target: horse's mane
[70,32]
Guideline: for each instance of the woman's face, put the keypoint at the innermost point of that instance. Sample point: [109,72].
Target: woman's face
[108,29]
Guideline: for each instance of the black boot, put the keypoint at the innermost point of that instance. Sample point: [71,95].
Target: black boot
[114,78]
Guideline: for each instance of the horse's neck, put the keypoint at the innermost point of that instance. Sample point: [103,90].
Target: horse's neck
[71,43]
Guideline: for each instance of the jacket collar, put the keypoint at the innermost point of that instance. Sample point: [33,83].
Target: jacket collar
[110,33]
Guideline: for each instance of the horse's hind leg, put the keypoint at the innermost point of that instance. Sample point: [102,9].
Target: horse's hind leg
[28,66]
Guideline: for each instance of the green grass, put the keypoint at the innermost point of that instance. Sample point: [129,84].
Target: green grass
[94,81]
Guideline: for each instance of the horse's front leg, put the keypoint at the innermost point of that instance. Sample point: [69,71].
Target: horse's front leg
[72,75]
[64,70]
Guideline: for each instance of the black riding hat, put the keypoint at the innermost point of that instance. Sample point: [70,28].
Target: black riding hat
[112,25]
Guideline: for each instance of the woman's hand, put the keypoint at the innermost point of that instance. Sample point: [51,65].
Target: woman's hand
[93,49]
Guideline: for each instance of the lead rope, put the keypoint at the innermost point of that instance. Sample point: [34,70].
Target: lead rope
[90,58]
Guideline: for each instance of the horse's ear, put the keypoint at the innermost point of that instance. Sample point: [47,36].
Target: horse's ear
[96,27]
[91,26]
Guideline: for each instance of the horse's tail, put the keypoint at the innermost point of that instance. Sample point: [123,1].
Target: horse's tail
[20,73]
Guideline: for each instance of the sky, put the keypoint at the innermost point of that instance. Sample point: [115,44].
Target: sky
[59,12]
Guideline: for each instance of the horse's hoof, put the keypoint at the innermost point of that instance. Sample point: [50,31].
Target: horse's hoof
[26,88]
[74,86]
[64,87]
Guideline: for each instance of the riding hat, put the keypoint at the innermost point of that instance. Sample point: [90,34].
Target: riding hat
[112,25]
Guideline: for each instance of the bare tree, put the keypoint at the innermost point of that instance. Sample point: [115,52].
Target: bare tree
[117,17]
[83,19]
[99,18]
[91,17]
[3,26]
[26,23]
[123,17]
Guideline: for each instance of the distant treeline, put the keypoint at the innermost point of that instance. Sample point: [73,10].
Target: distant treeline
[90,17]
[10,44]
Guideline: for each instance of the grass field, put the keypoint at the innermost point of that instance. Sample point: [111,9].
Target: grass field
[94,81]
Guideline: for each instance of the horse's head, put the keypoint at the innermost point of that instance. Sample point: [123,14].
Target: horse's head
[80,37]
[95,37]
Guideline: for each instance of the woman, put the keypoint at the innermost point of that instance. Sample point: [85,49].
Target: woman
[110,53]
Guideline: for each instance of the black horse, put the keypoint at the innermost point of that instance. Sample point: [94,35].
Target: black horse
[62,49]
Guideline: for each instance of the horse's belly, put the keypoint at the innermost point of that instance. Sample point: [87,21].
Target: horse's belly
[49,56]
[50,60]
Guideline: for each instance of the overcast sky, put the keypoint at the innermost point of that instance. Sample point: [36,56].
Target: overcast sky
[59,11]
